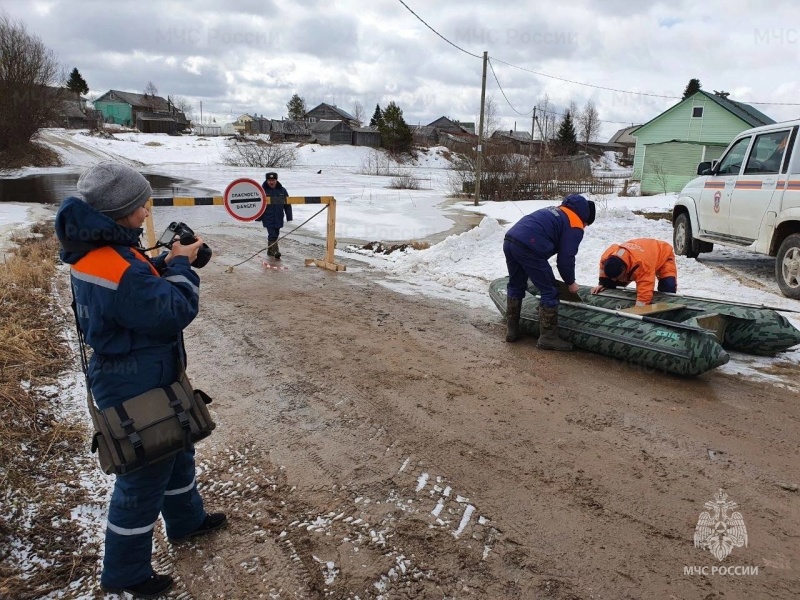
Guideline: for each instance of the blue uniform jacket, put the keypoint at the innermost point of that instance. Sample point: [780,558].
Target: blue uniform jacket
[273,215]
[553,230]
[131,310]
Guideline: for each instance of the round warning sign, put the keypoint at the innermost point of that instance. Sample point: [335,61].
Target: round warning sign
[245,200]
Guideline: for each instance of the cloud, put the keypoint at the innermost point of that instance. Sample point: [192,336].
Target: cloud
[252,55]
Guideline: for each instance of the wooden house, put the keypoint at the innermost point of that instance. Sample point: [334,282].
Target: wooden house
[329,112]
[332,133]
[671,145]
[148,113]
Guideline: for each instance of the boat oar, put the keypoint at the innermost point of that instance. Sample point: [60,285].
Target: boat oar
[701,299]
[628,315]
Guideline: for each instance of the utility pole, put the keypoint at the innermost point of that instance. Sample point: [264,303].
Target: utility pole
[530,146]
[479,162]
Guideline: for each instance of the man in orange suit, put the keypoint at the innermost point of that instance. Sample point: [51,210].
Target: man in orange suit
[642,260]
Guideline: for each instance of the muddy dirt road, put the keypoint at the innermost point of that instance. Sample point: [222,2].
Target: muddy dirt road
[373,444]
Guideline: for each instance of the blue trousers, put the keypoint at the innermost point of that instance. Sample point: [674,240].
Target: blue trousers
[273,233]
[524,264]
[167,487]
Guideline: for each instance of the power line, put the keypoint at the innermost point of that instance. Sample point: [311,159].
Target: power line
[524,114]
[437,33]
[599,87]
[572,81]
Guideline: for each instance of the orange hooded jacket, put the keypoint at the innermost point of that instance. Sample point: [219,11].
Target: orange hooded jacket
[645,260]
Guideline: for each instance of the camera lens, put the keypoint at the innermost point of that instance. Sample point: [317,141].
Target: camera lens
[203,256]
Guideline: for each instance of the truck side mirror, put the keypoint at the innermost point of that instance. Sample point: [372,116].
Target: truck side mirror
[704,168]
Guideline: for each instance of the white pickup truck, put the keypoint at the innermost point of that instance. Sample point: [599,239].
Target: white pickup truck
[750,199]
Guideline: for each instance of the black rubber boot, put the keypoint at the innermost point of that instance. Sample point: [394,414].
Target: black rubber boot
[212,522]
[513,308]
[548,330]
[277,253]
[272,246]
[154,587]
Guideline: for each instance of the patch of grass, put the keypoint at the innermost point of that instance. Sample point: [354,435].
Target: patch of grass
[31,154]
[37,476]
[404,181]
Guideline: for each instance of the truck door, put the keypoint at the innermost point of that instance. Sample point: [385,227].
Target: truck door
[714,206]
[754,188]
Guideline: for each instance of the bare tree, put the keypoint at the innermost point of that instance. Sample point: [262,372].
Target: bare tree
[547,118]
[358,112]
[183,105]
[491,121]
[588,122]
[245,152]
[150,93]
[27,70]
[572,108]
[659,173]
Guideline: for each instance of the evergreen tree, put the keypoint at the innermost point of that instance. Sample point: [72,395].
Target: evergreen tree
[691,88]
[377,117]
[296,107]
[395,133]
[566,139]
[77,83]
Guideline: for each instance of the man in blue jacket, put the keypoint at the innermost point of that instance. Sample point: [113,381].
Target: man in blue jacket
[272,218]
[555,230]
[132,312]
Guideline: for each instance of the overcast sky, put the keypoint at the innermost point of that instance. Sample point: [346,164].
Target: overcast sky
[252,55]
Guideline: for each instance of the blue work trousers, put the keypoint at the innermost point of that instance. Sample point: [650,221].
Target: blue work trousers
[167,487]
[524,264]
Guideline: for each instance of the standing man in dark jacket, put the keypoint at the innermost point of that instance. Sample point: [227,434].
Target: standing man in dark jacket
[555,230]
[272,218]
[132,312]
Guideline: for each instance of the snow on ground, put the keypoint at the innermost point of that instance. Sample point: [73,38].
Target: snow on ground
[461,266]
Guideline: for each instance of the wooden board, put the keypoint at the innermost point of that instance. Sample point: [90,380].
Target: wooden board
[652,309]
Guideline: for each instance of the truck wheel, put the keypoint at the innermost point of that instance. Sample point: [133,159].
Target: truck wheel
[682,239]
[787,266]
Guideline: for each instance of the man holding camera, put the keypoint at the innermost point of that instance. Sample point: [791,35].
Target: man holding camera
[132,311]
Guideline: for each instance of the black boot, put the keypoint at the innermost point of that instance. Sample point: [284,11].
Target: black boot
[272,246]
[277,253]
[548,330]
[211,523]
[513,308]
[153,587]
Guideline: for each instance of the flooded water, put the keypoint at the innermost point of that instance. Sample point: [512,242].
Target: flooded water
[52,188]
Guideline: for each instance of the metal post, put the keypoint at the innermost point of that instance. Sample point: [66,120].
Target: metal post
[479,162]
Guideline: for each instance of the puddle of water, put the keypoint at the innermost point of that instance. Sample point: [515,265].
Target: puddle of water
[52,188]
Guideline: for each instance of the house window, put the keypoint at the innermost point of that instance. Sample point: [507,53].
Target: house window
[697,111]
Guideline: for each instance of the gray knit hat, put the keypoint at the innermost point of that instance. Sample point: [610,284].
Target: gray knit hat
[114,189]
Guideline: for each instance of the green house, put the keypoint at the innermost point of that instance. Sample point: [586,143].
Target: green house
[150,114]
[699,128]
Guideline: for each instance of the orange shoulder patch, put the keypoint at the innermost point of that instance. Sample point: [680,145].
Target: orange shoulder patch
[103,266]
[574,219]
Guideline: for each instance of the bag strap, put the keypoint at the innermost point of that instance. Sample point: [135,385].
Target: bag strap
[83,354]
[133,435]
[180,412]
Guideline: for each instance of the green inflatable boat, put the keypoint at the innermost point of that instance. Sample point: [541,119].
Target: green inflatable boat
[676,334]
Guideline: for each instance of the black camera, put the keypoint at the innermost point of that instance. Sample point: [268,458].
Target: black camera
[186,236]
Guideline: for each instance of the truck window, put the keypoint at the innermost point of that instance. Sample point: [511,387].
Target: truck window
[732,161]
[767,153]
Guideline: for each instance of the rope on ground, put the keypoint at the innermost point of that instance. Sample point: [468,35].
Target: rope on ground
[230,269]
